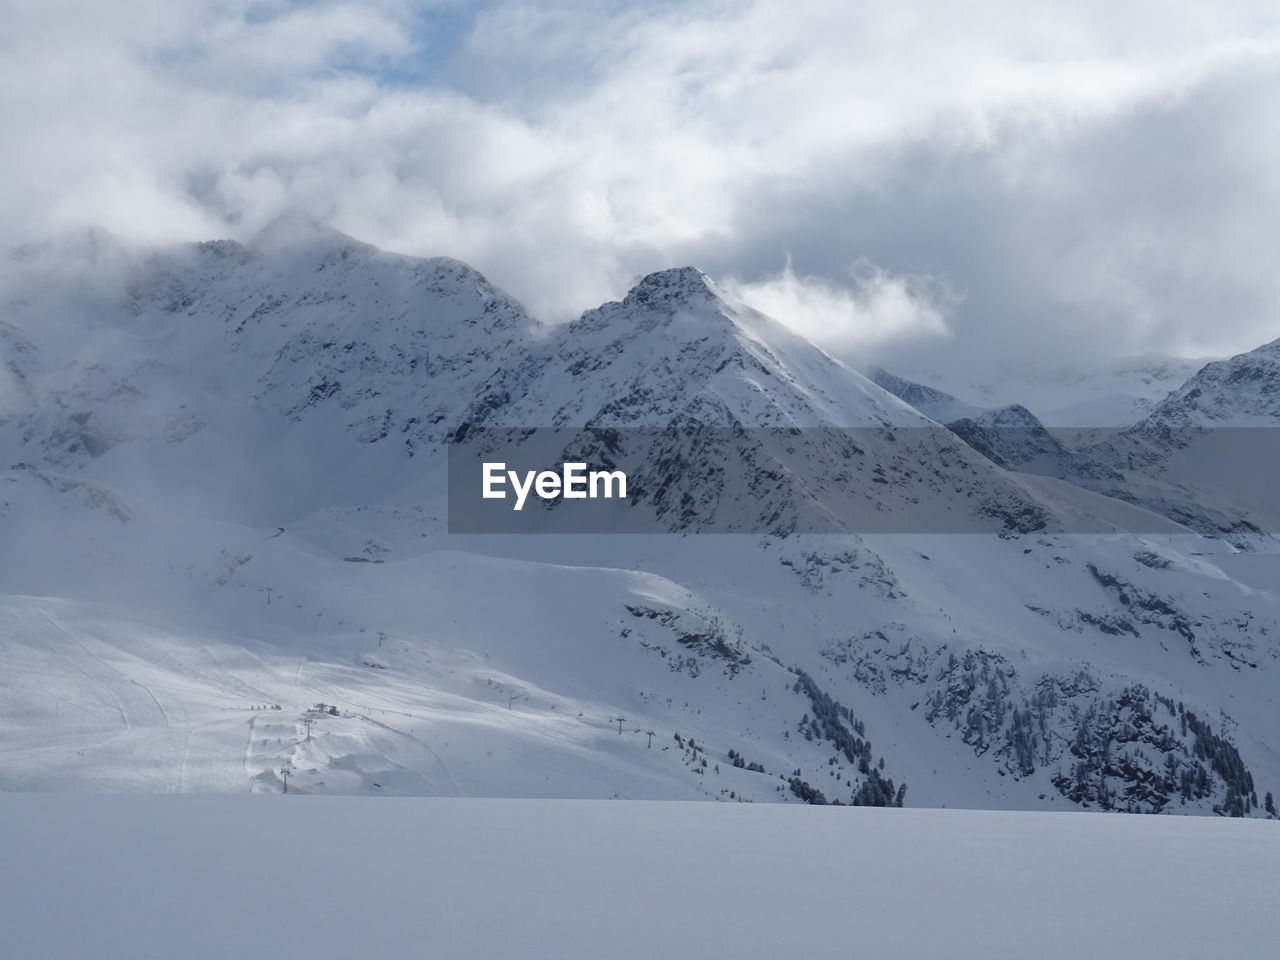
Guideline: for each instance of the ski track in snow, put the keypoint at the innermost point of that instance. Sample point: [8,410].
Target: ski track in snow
[105,688]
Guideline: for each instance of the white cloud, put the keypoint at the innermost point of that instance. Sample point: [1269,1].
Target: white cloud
[1096,176]
[874,309]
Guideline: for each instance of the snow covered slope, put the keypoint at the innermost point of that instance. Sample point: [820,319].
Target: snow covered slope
[214,877]
[223,562]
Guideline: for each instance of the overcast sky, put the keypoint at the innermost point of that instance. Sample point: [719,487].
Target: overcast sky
[990,182]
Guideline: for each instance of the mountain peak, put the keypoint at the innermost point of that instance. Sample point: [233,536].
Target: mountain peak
[292,229]
[675,284]
[1013,415]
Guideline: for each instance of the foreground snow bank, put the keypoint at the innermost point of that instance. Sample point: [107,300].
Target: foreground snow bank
[221,877]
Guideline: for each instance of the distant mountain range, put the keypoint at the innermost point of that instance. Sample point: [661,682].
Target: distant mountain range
[224,509]
[1115,393]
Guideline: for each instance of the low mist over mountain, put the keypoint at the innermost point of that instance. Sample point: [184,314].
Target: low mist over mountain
[224,499]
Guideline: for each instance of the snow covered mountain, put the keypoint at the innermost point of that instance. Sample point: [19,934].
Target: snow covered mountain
[932,402]
[1114,394]
[226,565]
[694,394]
[1243,391]
[1206,455]
[1194,460]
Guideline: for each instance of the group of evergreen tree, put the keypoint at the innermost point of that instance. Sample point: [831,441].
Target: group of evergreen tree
[741,762]
[833,722]
[1113,770]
